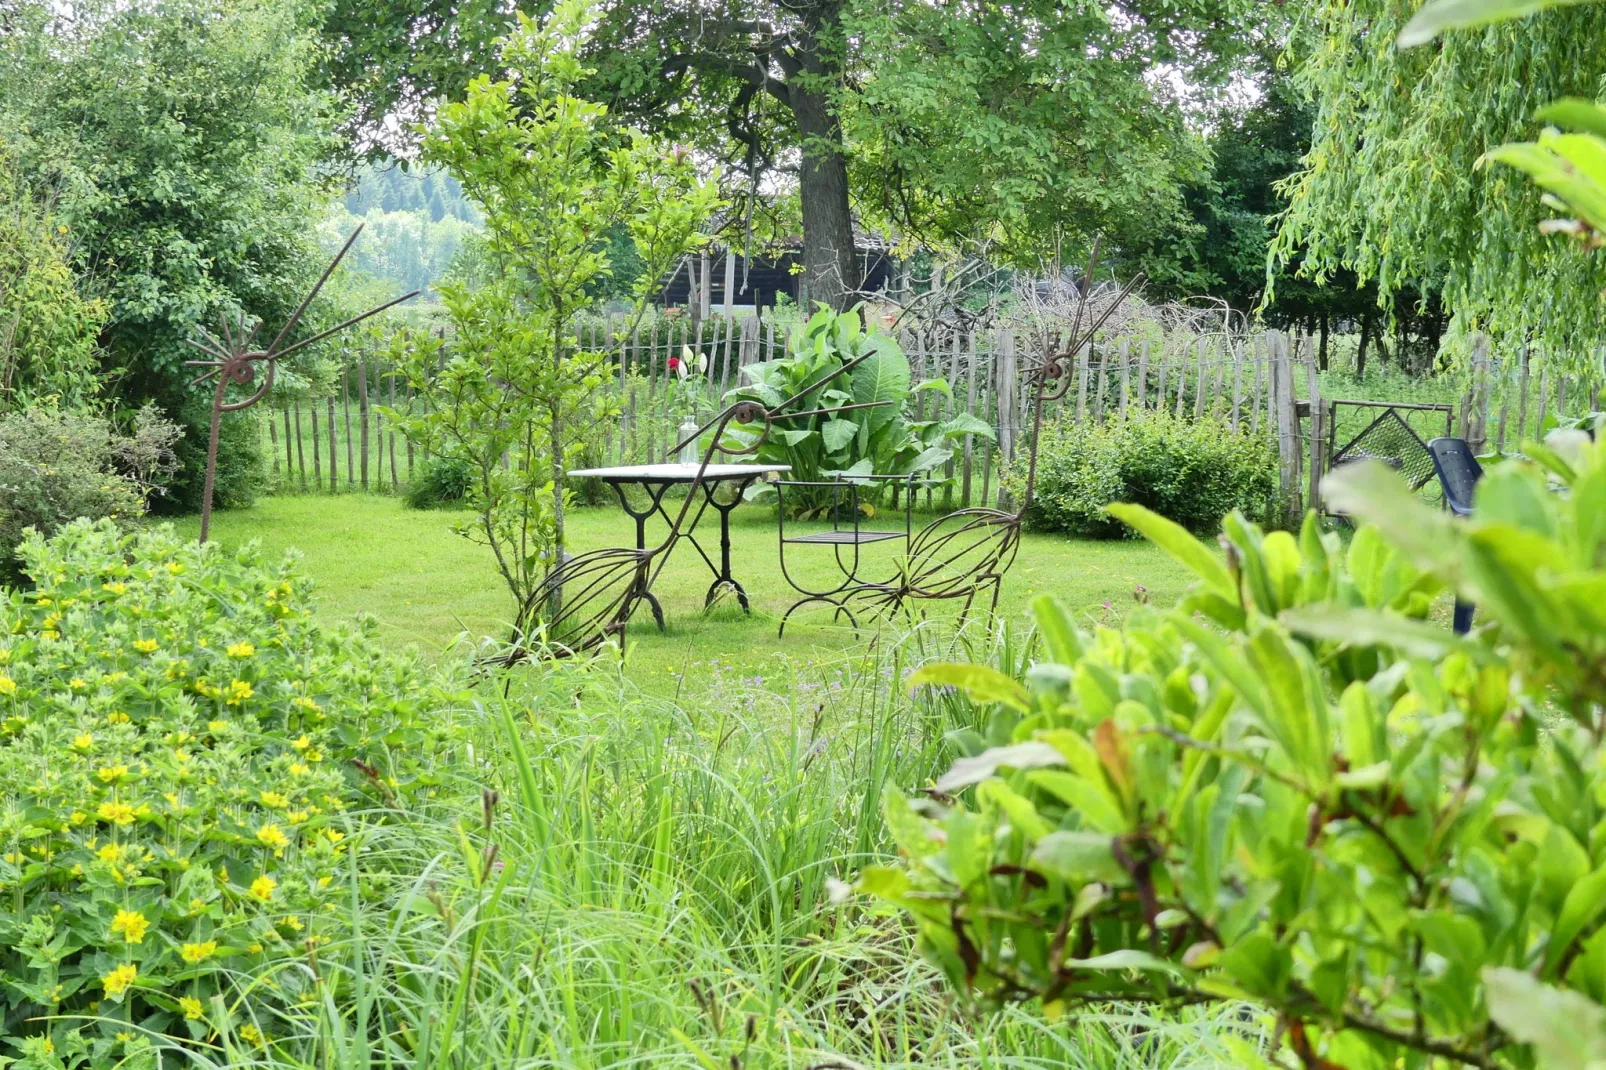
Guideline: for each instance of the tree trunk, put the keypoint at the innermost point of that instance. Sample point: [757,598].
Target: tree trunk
[1366,337]
[1321,354]
[830,266]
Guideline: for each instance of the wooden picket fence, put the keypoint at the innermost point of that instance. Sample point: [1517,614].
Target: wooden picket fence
[1263,383]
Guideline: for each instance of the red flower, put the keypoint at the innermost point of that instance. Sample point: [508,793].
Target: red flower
[674,363]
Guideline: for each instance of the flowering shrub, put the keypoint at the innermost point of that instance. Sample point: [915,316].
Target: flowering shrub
[183,751]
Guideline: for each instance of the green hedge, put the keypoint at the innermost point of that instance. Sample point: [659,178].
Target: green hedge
[1192,471]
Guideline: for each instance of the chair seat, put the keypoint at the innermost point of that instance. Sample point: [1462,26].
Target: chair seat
[845,538]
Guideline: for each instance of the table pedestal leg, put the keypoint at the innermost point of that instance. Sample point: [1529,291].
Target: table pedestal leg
[724,577]
[641,592]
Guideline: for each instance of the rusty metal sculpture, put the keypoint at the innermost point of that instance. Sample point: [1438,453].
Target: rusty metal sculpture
[588,599]
[234,364]
[964,553]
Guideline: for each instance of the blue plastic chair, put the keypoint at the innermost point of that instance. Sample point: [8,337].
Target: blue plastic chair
[1459,471]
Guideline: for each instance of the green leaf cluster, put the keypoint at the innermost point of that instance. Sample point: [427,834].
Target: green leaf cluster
[1294,789]
[191,764]
[888,439]
[1392,190]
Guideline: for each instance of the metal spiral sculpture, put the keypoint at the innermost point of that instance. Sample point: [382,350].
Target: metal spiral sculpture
[588,599]
[234,364]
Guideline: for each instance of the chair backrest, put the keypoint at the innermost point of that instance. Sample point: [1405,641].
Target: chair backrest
[954,554]
[1459,472]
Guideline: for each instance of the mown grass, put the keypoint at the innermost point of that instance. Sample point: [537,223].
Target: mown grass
[431,587]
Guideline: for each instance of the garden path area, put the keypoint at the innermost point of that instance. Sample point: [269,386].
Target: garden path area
[427,585]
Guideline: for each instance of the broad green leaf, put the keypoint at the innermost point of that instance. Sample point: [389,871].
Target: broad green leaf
[1437,16]
[1366,627]
[1374,492]
[1566,1029]
[884,376]
[967,771]
[939,385]
[1574,113]
[837,433]
[1022,814]
[1060,637]
[1098,808]
[981,683]
[1582,908]
[1176,541]
[929,458]
[1078,858]
[963,424]
[1125,960]
[909,830]
[1259,963]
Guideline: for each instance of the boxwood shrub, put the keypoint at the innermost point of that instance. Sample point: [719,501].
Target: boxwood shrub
[1191,471]
[186,756]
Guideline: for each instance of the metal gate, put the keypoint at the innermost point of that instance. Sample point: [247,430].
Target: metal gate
[1395,433]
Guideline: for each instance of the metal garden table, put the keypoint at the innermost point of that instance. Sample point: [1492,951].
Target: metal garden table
[656,479]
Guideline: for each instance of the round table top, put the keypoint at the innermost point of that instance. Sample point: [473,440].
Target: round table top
[677,473]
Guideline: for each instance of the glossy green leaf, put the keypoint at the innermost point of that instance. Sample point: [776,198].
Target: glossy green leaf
[1175,540]
[980,683]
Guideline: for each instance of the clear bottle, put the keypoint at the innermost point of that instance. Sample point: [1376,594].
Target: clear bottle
[688,435]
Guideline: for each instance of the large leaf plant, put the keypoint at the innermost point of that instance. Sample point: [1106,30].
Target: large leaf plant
[888,439]
[1296,792]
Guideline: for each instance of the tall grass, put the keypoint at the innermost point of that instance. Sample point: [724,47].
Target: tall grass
[627,881]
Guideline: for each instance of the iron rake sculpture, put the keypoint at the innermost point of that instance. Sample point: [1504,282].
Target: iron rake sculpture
[588,599]
[966,553]
[234,364]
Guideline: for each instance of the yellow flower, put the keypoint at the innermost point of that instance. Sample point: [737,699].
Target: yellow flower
[145,646]
[117,717]
[239,691]
[216,726]
[299,769]
[109,773]
[254,949]
[250,1034]
[293,922]
[296,817]
[83,741]
[305,703]
[272,836]
[118,813]
[303,743]
[8,686]
[240,650]
[117,982]
[191,1007]
[109,853]
[174,567]
[263,887]
[275,800]
[115,588]
[199,952]
[77,683]
[131,925]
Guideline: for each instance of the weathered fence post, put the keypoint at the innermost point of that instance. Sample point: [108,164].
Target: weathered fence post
[1318,465]
[1282,388]
[1476,427]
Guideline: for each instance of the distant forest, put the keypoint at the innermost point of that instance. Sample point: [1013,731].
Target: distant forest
[415,224]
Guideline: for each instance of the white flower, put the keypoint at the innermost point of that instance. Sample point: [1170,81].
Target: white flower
[683,368]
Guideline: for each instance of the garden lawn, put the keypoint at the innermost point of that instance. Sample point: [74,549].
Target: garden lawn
[428,586]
